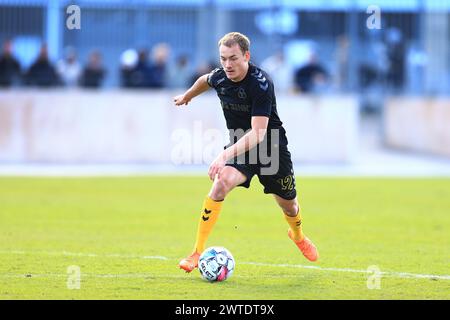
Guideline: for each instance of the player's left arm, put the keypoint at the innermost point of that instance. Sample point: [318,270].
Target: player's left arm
[250,140]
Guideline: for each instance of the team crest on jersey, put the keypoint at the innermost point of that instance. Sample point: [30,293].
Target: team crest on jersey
[241,93]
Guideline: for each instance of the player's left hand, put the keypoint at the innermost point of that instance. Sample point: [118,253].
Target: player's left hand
[216,166]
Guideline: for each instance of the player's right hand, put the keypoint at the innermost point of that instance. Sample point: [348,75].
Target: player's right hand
[181,100]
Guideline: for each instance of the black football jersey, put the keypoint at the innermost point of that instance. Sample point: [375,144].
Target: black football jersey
[252,96]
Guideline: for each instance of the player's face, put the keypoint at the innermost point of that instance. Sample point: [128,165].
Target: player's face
[234,62]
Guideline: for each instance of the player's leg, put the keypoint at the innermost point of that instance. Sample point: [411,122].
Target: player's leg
[293,217]
[283,186]
[291,210]
[229,178]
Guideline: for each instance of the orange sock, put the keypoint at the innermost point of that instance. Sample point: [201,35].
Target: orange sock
[210,213]
[296,225]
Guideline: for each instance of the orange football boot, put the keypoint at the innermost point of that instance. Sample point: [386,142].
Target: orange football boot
[306,246]
[190,263]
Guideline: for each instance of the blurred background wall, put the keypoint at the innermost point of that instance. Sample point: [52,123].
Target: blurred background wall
[314,50]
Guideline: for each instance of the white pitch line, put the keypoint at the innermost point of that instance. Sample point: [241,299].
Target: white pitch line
[91,275]
[406,275]
[81,254]
[130,276]
[382,273]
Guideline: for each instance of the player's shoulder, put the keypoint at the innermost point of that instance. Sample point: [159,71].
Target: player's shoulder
[259,79]
[216,76]
[218,71]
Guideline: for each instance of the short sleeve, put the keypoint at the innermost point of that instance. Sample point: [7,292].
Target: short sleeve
[262,99]
[213,77]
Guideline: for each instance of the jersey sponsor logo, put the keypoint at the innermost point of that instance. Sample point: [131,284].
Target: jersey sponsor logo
[236,107]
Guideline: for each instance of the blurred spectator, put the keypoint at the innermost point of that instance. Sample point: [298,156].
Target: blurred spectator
[179,74]
[158,69]
[373,67]
[203,68]
[396,57]
[140,73]
[42,73]
[69,69]
[368,75]
[341,58]
[279,70]
[128,61]
[9,66]
[93,73]
[311,76]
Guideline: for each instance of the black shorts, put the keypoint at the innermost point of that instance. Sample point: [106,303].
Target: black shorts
[280,182]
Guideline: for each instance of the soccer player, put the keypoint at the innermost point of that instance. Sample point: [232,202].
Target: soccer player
[248,101]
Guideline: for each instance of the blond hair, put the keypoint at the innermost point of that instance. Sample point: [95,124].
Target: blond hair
[232,38]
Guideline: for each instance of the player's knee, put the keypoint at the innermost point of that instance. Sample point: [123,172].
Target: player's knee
[291,209]
[221,187]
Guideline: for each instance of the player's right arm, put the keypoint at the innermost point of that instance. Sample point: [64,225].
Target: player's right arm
[200,86]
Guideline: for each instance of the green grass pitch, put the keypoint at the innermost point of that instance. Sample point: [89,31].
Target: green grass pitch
[126,236]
